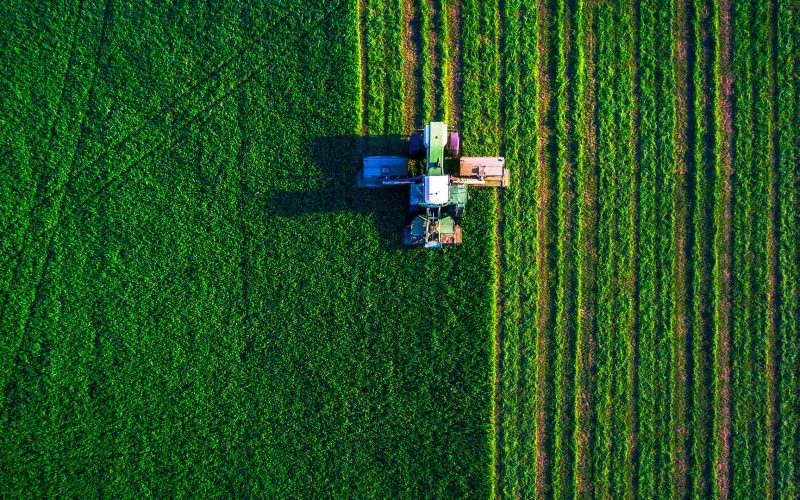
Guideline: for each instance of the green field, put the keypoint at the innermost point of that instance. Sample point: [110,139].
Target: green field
[195,299]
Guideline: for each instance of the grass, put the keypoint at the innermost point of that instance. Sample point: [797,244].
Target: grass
[203,302]
[194,298]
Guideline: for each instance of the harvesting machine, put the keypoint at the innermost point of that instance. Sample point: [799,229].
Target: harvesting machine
[436,197]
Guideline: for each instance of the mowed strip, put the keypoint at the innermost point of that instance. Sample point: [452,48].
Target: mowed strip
[480,111]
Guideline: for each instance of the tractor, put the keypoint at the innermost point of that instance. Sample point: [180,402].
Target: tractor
[437,198]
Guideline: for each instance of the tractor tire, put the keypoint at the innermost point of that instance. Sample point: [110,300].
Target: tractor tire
[453,145]
[416,148]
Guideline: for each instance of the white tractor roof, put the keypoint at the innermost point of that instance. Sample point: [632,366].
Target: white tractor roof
[437,189]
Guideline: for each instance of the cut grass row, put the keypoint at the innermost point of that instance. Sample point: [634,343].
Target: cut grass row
[723,142]
[606,158]
[518,467]
[744,341]
[647,233]
[480,111]
[625,285]
[564,251]
[702,256]
[680,325]
[586,238]
[665,115]
[788,98]
[758,204]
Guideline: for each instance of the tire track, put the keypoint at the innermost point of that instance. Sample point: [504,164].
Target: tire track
[158,118]
[48,222]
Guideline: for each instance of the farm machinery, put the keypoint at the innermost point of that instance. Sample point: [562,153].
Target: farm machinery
[437,198]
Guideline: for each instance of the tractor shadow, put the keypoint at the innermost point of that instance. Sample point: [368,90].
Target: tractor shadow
[338,160]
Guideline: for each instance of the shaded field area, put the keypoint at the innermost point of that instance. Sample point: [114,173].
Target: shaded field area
[194,299]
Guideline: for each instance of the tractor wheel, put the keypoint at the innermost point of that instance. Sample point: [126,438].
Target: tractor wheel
[416,148]
[454,145]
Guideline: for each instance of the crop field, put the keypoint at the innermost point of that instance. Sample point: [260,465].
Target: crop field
[196,300]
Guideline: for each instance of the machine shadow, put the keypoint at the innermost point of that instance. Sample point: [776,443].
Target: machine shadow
[339,159]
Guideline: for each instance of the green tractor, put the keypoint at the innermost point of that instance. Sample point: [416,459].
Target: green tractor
[436,198]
